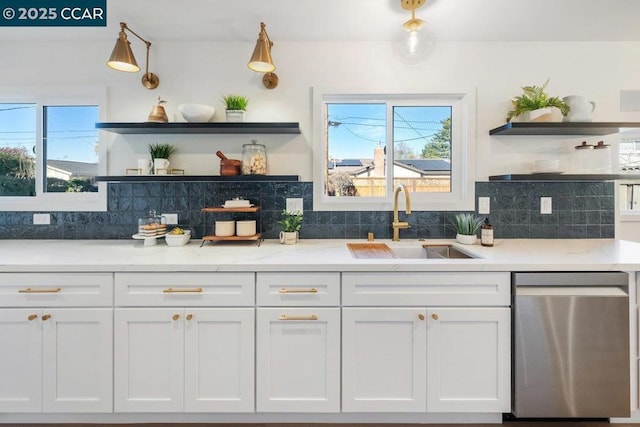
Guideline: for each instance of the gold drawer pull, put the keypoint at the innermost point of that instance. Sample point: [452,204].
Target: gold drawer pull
[176,317]
[32,317]
[298,291]
[176,291]
[46,317]
[421,316]
[39,291]
[435,316]
[189,316]
[310,317]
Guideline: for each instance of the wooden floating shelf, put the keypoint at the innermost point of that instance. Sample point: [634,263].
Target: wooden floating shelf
[561,128]
[198,178]
[561,177]
[200,128]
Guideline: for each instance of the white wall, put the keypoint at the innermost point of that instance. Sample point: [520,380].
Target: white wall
[202,72]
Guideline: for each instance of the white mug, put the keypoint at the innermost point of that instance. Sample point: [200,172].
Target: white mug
[144,166]
[161,166]
[288,237]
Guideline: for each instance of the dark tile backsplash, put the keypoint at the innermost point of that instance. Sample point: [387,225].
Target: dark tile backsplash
[580,210]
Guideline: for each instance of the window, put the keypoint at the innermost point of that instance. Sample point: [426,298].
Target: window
[365,145]
[50,151]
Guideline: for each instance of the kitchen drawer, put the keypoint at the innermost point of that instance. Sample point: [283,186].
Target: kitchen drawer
[185,289]
[56,289]
[298,289]
[426,289]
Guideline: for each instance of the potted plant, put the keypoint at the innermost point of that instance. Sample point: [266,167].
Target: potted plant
[291,223]
[160,154]
[236,105]
[534,105]
[466,226]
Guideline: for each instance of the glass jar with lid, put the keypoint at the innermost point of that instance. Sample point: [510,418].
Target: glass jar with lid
[254,159]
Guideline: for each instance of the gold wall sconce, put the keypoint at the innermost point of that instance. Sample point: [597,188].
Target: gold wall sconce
[122,58]
[261,61]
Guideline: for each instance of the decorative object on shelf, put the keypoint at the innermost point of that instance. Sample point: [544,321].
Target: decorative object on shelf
[160,154]
[145,166]
[122,58]
[228,167]
[197,113]
[580,109]
[158,113]
[246,228]
[602,162]
[237,203]
[291,223]
[415,42]
[583,158]
[225,228]
[466,226]
[236,106]
[534,105]
[254,158]
[546,166]
[261,60]
[251,209]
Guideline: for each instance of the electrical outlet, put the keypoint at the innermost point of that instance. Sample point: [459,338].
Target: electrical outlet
[484,205]
[294,205]
[42,219]
[170,219]
[545,205]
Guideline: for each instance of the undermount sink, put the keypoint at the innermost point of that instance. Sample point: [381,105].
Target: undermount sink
[425,251]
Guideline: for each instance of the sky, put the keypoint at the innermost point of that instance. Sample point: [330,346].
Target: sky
[356,129]
[71,133]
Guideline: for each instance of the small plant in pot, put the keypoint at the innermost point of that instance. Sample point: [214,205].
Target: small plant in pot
[160,154]
[235,105]
[466,226]
[291,223]
[534,105]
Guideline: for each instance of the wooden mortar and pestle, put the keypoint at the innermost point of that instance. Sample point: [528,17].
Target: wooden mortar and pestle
[228,167]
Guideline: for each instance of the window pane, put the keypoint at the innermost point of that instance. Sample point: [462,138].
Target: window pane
[71,148]
[422,148]
[17,148]
[356,145]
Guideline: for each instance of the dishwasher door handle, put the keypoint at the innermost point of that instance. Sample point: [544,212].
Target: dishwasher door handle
[551,291]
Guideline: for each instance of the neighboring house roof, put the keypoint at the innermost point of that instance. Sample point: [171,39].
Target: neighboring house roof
[426,166]
[75,169]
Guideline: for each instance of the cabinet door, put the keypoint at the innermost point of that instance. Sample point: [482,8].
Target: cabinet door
[219,360]
[468,362]
[20,360]
[384,360]
[77,360]
[149,360]
[298,360]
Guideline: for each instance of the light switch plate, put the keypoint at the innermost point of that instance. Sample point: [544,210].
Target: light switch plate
[545,205]
[294,205]
[170,219]
[484,205]
[42,219]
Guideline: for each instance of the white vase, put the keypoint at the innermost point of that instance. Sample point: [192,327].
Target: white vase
[466,239]
[235,116]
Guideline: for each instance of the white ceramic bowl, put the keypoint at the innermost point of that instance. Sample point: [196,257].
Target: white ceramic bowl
[178,239]
[197,112]
[546,166]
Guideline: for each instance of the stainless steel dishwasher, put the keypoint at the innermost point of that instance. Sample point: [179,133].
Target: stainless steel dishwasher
[571,345]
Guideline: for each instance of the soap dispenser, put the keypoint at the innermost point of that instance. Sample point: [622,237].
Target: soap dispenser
[486,233]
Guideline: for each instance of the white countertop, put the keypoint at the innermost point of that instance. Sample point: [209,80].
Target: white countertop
[312,255]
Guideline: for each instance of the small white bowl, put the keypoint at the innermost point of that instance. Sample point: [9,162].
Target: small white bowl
[197,112]
[178,239]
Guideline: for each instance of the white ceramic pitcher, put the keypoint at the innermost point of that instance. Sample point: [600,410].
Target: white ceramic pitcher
[580,108]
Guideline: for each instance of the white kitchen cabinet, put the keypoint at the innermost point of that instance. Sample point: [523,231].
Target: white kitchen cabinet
[468,365]
[298,359]
[56,360]
[384,359]
[176,359]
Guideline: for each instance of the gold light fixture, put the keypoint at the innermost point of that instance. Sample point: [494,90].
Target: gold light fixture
[261,59]
[122,58]
[415,43]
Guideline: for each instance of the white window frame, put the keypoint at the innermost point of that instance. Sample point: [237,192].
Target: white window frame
[59,96]
[463,156]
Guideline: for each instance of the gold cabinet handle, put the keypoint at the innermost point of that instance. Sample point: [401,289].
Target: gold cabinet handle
[298,291]
[32,317]
[421,316]
[435,316]
[176,316]
[177,291]
[310,317]
[189,316]
[46,317]
[39,291]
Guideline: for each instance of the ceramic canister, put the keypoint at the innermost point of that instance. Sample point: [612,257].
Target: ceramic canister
[225,228]
[246,228]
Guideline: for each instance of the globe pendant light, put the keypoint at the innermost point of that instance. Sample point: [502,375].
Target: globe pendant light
[416,42]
